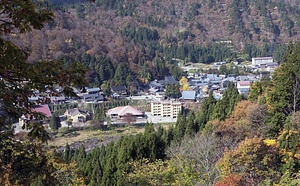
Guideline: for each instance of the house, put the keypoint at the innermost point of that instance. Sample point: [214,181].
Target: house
[243,87]
[243,91]
[188,95]
[169,80]
[218,94]
[119,90]
[120,112]
[153,90]
[220,63]
[41,109]
[77,114]
[91,97]
[58,99]
[135,83]
[212,76]
[165,108]
[155,85]
[225,83]
[271,66]
[93,90]
[243,84]
[242,78]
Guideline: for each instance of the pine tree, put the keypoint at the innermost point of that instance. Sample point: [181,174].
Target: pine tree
[180,127]
[226,105]
[191,127]
[283,95]
[67,154]
[54,122]
[255,91]
[205,113]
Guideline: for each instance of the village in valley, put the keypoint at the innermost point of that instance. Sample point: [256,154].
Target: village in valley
[159,101]
[118,92]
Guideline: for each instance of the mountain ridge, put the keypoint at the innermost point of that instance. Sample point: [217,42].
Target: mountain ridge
[146,34]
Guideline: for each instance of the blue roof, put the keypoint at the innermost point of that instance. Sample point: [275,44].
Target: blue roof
[188,94]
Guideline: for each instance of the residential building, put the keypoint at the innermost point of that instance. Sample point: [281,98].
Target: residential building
[243,84]
[243,87]
[165,108]
[77,114]
[58,99]
[188,95]
[170,80]
[41,109]
[120,112]
[262,60]
[119,91]
[93,90]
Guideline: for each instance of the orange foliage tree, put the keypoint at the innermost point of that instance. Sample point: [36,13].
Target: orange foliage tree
[254,160]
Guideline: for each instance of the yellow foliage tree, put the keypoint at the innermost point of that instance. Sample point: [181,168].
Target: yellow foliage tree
[184,83]
[151,173]
[289,150]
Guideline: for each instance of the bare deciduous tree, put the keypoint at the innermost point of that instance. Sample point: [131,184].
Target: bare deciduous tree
[199,155]
[129,118]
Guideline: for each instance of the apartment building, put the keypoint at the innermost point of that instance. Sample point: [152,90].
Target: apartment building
[165,108]
[261,60]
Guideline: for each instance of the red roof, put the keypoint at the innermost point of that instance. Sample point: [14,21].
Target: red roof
[244,83]
[44,109]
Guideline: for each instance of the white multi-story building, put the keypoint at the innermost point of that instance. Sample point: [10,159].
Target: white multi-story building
[165,108]
[261,60]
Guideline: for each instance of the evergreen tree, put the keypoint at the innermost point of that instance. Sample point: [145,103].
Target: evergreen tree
[226,105]
[283,95]
[255,91]
[123,158]
[205,113]
[67,154]
[54,122]
[79,157]
[121,74]
[180,127]
[191,127]
[173,91]
[109,169]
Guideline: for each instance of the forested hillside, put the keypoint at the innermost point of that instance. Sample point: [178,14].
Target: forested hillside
[147,35]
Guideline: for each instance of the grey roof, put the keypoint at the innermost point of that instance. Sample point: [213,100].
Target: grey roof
[229,79]
[243,78]
[93,89]
[215,82]
[188,94]
[211,75]
[155,83]
[118,88]
[170,80]
[58,98]
[244,91]
[75,111]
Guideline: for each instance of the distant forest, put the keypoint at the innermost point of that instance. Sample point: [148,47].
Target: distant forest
[146,36]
